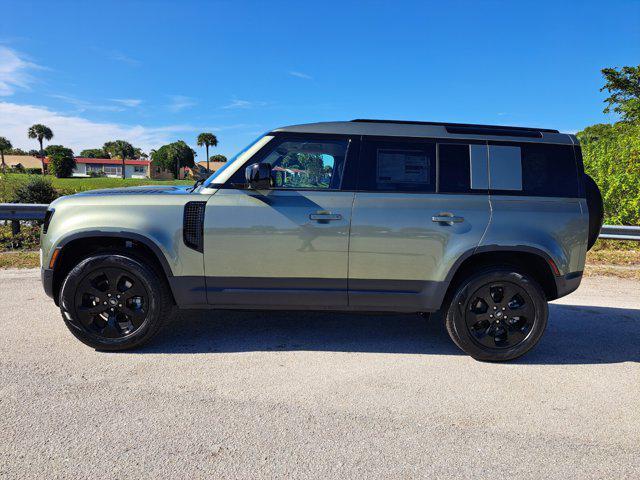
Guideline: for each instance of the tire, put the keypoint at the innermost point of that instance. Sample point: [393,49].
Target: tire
[505,332]
[595,207]
[114,302]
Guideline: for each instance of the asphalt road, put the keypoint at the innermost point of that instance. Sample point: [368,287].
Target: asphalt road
[246,395]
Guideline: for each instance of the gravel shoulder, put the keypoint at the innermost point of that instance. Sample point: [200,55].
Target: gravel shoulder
[246,395]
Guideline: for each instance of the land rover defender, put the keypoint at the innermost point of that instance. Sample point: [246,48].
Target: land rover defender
[485,223]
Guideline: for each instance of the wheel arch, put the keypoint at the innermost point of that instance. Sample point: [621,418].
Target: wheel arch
[533,261]
[76,246]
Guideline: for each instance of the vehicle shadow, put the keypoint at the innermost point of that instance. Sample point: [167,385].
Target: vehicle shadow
[575,334]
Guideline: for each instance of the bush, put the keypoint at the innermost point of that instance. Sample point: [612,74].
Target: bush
[97,174]
[18,168]
[612,158]
[36,190]
[62,166]
[33,171]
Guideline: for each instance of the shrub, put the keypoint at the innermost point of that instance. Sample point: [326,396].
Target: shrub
[612,158]
[62,165]
[36,190]
[97,174]
[33,171]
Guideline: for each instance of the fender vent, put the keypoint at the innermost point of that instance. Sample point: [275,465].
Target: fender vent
[193,224]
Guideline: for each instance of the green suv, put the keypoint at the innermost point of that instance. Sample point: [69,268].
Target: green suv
[485,223]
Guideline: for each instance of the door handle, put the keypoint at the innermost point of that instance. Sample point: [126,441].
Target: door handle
[324,216]
[447,218]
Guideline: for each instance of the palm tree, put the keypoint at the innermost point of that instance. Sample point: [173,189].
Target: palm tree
[208,140]
[40,132]
[122,149]
[5,145]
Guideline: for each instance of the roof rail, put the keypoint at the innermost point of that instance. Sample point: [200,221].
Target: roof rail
[471,128]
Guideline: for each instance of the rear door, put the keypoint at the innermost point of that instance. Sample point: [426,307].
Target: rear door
[420,205]
[286,246]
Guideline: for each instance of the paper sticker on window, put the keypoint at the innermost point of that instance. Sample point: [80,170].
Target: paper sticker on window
[403,166]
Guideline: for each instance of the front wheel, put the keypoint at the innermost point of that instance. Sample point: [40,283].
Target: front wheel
[114,302]
[498,314]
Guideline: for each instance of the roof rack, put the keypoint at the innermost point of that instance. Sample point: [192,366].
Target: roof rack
[470,128]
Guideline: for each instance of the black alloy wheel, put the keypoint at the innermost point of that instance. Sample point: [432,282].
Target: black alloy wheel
[115,301]
[497,314]
[112,302]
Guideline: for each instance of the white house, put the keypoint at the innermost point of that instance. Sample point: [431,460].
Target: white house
[112,167]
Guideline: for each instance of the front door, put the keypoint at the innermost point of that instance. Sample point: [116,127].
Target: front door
[286,246]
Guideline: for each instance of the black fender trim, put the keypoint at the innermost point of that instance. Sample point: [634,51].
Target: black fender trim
[194,288]
[502,248]
[136,237]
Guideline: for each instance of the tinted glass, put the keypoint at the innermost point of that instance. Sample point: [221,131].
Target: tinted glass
[549,170]
[397,167]
[454,168]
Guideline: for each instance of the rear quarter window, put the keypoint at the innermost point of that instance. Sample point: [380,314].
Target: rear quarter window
[549,170]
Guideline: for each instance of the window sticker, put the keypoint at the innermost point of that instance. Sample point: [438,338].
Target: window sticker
[403,166]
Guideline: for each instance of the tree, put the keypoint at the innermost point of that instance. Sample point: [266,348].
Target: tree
[5,146]
[218,158]
[61,160]
[208,140]
[52,150]
[120,148]
[41,133]
[94,153]
[612,158]
[173,156]
[140,154]
[623,86]
[62,166]
[17,151]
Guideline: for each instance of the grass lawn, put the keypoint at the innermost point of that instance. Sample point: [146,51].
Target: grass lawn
[66,186]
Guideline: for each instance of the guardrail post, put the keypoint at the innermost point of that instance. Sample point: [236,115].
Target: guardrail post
[15,227]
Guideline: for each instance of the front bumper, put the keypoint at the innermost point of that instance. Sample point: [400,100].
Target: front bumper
[46,275]
[565,284]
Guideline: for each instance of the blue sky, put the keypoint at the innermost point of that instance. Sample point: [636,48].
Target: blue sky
[157,72]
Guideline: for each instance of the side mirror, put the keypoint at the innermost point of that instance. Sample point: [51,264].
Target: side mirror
[258,176]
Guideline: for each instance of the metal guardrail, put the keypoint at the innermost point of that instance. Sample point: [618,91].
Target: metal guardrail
[23,211]
[619,232]
[36,211]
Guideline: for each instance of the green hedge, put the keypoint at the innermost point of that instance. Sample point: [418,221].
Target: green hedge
[612,158]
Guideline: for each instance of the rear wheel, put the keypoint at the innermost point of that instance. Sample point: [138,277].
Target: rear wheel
[496,315]
[114,302]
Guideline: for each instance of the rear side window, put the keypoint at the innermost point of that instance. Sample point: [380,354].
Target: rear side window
[534,169]
[549,170]
[397,167]
[454,168]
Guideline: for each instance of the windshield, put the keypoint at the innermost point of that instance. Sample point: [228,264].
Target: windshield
[218,173]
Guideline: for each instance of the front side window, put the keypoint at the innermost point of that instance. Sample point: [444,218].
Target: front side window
[307,164]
